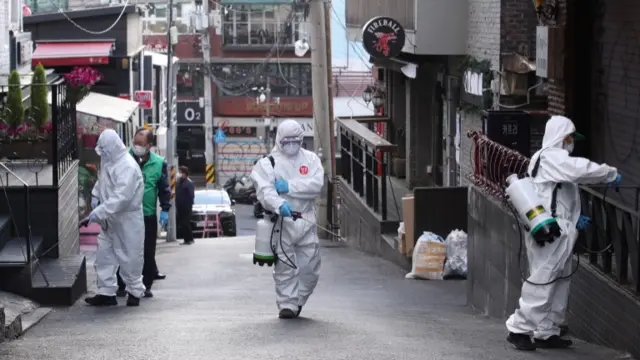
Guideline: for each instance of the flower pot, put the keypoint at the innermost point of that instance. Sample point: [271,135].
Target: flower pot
[27,150]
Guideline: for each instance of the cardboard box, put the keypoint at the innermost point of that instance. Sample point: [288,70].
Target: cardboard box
[409,224]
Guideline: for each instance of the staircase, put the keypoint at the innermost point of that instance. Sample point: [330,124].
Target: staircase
[26,272]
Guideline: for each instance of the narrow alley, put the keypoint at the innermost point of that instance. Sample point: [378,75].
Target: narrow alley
[215,304]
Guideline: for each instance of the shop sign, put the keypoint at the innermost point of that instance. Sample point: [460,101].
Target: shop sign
[144,98]
[190,112]
[383,37]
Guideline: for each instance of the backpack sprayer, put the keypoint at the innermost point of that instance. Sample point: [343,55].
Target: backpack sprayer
[265,247]
[541,224]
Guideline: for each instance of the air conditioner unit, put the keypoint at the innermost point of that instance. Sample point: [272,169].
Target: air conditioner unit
[516,75]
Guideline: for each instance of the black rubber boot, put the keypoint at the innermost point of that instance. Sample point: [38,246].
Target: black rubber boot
[554,342]
[148,294]
[160,276]
[133,301]
[521,341]
[287,314]
[121,293]
[299,311]
[101,300]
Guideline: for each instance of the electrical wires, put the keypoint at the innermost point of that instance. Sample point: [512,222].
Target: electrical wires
[62,11]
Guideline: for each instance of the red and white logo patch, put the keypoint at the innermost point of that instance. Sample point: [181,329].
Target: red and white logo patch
[304,170]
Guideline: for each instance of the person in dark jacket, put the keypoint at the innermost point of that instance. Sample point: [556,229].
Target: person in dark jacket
[185,193]
[156,188]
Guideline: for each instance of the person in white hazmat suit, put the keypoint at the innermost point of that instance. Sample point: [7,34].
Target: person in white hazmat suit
[117,207]
[292,183]
[542,307]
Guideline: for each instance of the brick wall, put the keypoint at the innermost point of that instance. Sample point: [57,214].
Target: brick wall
[518,23]
[556,89]
[617,90]
[484,43]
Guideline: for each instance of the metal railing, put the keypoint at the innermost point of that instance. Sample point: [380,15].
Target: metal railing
[43,151]
[364,162]
[63,119]
[612,242]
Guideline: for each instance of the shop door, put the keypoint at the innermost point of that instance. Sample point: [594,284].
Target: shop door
[191,144]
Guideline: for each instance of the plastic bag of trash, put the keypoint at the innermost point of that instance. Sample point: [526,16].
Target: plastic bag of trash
[429,256]
[456,264]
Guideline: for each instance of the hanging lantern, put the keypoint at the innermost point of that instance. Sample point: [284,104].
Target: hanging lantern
[378,99]
[367,95]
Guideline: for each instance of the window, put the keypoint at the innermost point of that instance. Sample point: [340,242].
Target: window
[286,79]
[190,82]
[258,25]
[211,198]
[154,20]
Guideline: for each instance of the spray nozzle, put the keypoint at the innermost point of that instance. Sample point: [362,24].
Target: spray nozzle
[296,215]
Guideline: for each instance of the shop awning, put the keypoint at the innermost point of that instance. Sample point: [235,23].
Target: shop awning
[158,59]
[106,107]
[72,53]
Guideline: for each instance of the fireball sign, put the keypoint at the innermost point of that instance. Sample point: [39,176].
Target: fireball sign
[383,37]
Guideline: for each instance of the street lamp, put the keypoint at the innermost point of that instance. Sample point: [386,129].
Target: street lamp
[378,99]
[367,94]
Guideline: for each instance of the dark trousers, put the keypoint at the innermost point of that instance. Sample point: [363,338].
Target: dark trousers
[149,269]
[184,225]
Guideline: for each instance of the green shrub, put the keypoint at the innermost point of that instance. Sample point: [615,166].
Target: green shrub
[39,93]
[14,112]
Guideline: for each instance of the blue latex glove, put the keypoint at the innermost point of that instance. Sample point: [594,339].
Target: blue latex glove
[94,202]
[583,222]
[616,182]
[92,218]
[285,210]
[164,218]
[282,186]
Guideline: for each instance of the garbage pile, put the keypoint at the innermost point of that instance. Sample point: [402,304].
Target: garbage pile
[435,258]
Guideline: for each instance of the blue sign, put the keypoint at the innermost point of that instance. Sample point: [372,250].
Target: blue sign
[220,137]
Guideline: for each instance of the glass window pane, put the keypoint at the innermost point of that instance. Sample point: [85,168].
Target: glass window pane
[190,81]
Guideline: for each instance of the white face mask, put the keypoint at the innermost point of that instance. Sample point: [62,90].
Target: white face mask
[98,151]
[139,150]
[290,148]
[569,147]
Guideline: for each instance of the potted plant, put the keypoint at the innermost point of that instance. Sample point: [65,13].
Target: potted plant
[25,135]
[79,81]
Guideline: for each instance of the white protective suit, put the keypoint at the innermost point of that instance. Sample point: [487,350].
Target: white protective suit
[121,240]
[542,307]
[305,175]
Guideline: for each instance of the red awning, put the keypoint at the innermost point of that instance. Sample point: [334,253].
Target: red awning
[51,54]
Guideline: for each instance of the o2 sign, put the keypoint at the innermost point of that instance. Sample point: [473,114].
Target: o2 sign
[190,113]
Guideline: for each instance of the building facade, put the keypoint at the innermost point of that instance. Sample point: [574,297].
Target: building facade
[258,80]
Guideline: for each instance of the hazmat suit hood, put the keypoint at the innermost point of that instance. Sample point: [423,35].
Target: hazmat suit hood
[110,147]
[288,128]
[557,128]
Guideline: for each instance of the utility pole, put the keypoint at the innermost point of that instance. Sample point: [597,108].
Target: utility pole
[171,130]
[320,68]
[267,118]
[202,13]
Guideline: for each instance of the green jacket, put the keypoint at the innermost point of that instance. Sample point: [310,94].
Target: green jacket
[156,184]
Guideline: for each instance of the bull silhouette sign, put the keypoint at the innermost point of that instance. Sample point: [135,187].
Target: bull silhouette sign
[383,37]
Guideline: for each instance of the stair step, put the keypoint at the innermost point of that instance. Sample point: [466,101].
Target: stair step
[14,251]
[59,281]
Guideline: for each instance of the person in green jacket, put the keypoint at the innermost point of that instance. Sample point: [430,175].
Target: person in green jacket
[156,188]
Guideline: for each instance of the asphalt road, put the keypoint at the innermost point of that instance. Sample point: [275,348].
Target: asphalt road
[215,304]
[245,222]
